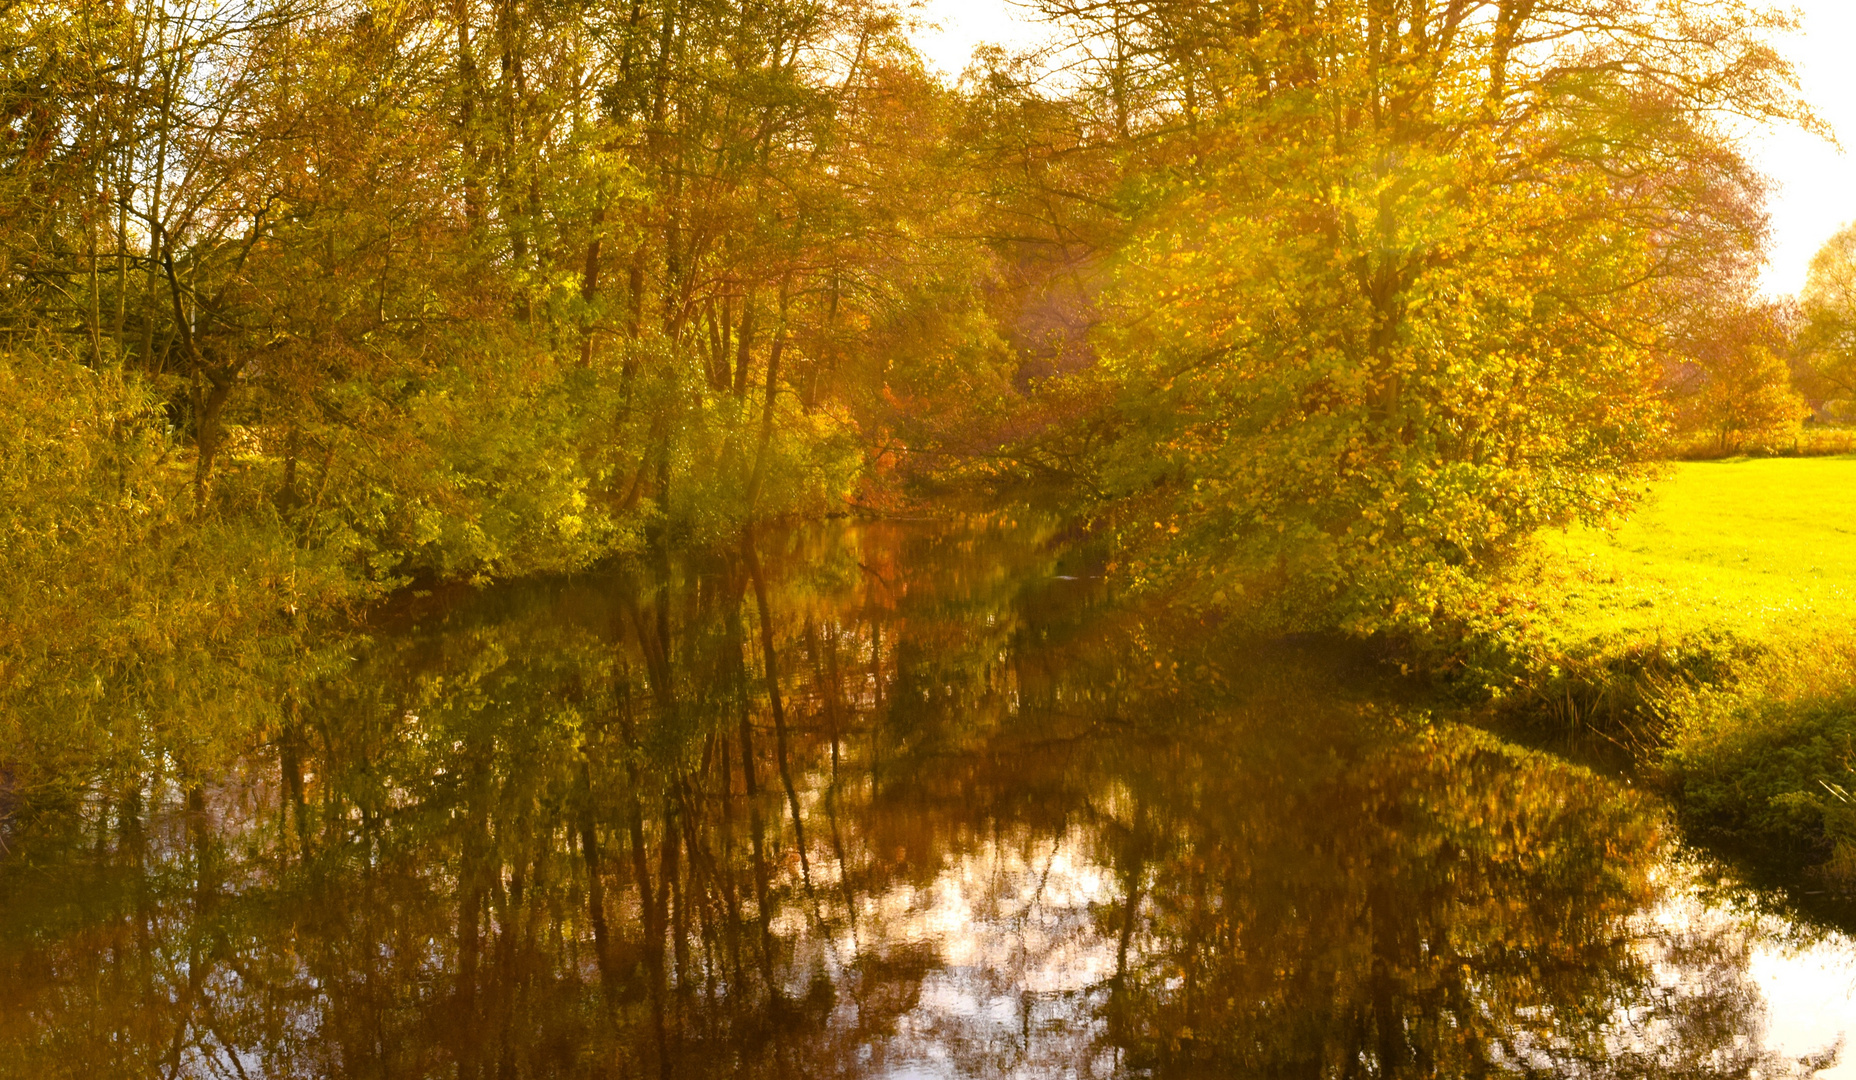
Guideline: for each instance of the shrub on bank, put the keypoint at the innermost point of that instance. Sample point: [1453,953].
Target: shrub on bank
[1806,440]
[1752,738]
[155,620]
[1766,765]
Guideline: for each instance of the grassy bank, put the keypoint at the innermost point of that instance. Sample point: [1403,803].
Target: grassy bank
[1714,635]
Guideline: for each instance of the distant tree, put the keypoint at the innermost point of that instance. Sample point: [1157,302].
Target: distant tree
[1747,398]
[1828,300]
[1730,377]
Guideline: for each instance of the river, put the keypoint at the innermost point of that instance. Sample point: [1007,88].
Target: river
[905,800]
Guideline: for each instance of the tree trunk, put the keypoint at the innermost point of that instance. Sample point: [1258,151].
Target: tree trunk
[766,417]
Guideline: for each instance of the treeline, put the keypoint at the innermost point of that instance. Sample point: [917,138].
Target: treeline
[1320,303]
[1779,375]
[496,284]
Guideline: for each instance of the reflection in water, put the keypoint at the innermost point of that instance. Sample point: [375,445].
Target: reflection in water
[865,801]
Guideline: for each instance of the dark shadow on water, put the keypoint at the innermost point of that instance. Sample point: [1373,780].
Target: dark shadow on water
[863,800]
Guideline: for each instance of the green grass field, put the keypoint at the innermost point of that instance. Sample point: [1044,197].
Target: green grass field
[1715,632]
[1761,549]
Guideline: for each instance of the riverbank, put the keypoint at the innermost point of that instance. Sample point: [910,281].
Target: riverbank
[871,798]
[159,602]
[1713,636]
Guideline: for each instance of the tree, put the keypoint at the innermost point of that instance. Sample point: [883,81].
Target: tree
[1398,275]
[1828,302]
[1749,398]
[1732,383]
[314,300]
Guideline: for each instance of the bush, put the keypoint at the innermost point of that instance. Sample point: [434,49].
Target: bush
[1766,765]
[134,629]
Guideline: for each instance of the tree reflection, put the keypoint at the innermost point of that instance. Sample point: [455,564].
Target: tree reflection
[857,801]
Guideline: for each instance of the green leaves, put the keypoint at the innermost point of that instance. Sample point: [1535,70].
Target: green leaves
[1828,303]
[1404,309]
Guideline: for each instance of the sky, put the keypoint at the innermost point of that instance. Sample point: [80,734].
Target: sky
[1814,182]
[955,27]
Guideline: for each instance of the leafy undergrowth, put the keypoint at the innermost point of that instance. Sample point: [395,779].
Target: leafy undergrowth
[1714,636]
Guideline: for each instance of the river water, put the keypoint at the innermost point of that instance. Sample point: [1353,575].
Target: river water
[891,800]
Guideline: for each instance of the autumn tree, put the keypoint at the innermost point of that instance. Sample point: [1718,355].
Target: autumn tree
[1828,305]
[1749,398]
[1398,274]
[308,301]
[1731,380]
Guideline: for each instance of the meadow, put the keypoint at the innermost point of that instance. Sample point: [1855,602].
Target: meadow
[1713,634]
[1763,550]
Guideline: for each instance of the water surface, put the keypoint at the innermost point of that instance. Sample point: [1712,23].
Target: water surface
[893,800]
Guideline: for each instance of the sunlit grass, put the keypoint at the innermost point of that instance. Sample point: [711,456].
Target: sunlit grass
[1714,631]
[1763,550]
